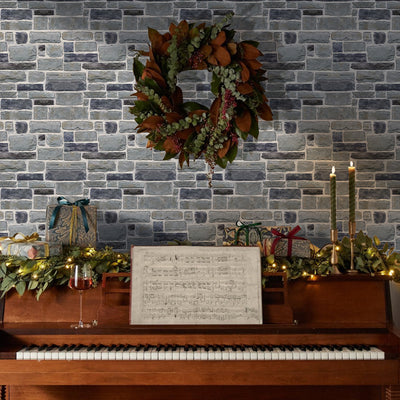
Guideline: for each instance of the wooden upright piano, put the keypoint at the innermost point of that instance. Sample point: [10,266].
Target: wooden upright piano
[329,338]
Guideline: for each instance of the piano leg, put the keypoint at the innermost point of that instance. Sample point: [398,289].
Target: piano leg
[203,392]
[3,392]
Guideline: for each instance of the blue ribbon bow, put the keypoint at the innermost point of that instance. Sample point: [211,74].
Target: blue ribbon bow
[62,201]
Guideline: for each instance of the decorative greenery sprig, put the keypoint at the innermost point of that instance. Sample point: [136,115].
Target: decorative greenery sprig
[369,257]
[24,274]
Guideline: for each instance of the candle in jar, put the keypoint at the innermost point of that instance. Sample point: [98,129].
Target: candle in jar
[333,198]
[352,192]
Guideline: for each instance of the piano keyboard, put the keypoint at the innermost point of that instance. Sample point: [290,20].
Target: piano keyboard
[206,353]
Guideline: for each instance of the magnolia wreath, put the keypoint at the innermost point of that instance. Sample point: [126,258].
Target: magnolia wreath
[189,128]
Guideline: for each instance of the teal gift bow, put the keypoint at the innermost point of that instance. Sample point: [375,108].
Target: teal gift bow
[246,228]
[62,201]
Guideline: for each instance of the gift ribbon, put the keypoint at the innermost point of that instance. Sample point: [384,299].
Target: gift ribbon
[21,238]
[246,228]
[290,236]
[62,201]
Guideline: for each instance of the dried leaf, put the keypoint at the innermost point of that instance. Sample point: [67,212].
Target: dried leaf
[177,97]
[185,133]
[214,110]
[165,100]
[244,73]
[254,64]
[232,48]
[152,122]
[181,159]
[243,121]
[206,50]
[222,55]
[170,145]
[249,51]
[219,40]
[140,96]
[226,146]
[265,112]
[173,117]
[245,88]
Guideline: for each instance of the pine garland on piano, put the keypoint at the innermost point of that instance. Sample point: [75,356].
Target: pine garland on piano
[24,274]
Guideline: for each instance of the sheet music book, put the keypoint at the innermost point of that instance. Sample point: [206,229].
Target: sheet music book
[195,285]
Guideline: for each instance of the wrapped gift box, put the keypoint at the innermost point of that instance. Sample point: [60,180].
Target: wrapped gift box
[73,224]
[287,244]
[250,234]
[30,247]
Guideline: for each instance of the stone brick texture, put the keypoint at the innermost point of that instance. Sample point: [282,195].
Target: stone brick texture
[66,81]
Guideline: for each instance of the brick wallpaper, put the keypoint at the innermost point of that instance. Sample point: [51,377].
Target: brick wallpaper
[65,85]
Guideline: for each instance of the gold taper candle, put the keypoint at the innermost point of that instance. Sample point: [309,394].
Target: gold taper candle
[352,193]
[333,198]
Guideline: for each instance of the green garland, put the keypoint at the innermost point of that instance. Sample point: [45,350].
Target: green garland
[24,274]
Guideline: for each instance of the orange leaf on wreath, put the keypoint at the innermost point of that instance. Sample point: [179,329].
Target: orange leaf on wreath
[185,133]
[177,97]
[150,144]
[244,73]
[170,145]
[214,110]
[222,55]
[152,122]
[166,102]
[140,96]
[232,47]
[173,117]
[249,51]
[254,64]
[150,73]
[181,159]
[219,40]
[245,88]
[226,146]
[206,50]
[264,111]
[243,121]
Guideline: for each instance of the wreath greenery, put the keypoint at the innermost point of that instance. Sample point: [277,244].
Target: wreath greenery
[189,128]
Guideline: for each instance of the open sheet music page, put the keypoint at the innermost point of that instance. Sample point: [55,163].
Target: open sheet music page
[196,285]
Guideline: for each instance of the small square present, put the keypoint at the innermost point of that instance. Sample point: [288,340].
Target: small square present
[250,234]
[72,224]
[28,246]
[287,245]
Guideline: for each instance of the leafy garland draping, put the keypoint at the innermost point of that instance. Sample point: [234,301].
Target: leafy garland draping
[24,274]
[189,128]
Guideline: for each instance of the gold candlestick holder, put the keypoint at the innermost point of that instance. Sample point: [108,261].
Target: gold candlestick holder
[334,256]
[352,233]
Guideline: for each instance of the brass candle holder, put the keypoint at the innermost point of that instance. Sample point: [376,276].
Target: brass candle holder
[334,256]
[352,233]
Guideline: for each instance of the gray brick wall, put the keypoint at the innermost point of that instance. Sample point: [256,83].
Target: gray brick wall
[65,129]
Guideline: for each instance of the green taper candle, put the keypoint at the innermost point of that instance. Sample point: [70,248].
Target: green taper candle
[352,193]
[333,198]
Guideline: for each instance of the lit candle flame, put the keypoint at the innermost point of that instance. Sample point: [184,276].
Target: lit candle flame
[333,170]
[351,163]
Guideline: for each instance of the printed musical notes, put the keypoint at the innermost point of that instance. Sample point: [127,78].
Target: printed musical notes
[196,285]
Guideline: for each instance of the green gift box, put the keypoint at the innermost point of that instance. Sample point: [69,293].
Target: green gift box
[250,234]
[28,246]
[72,224]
